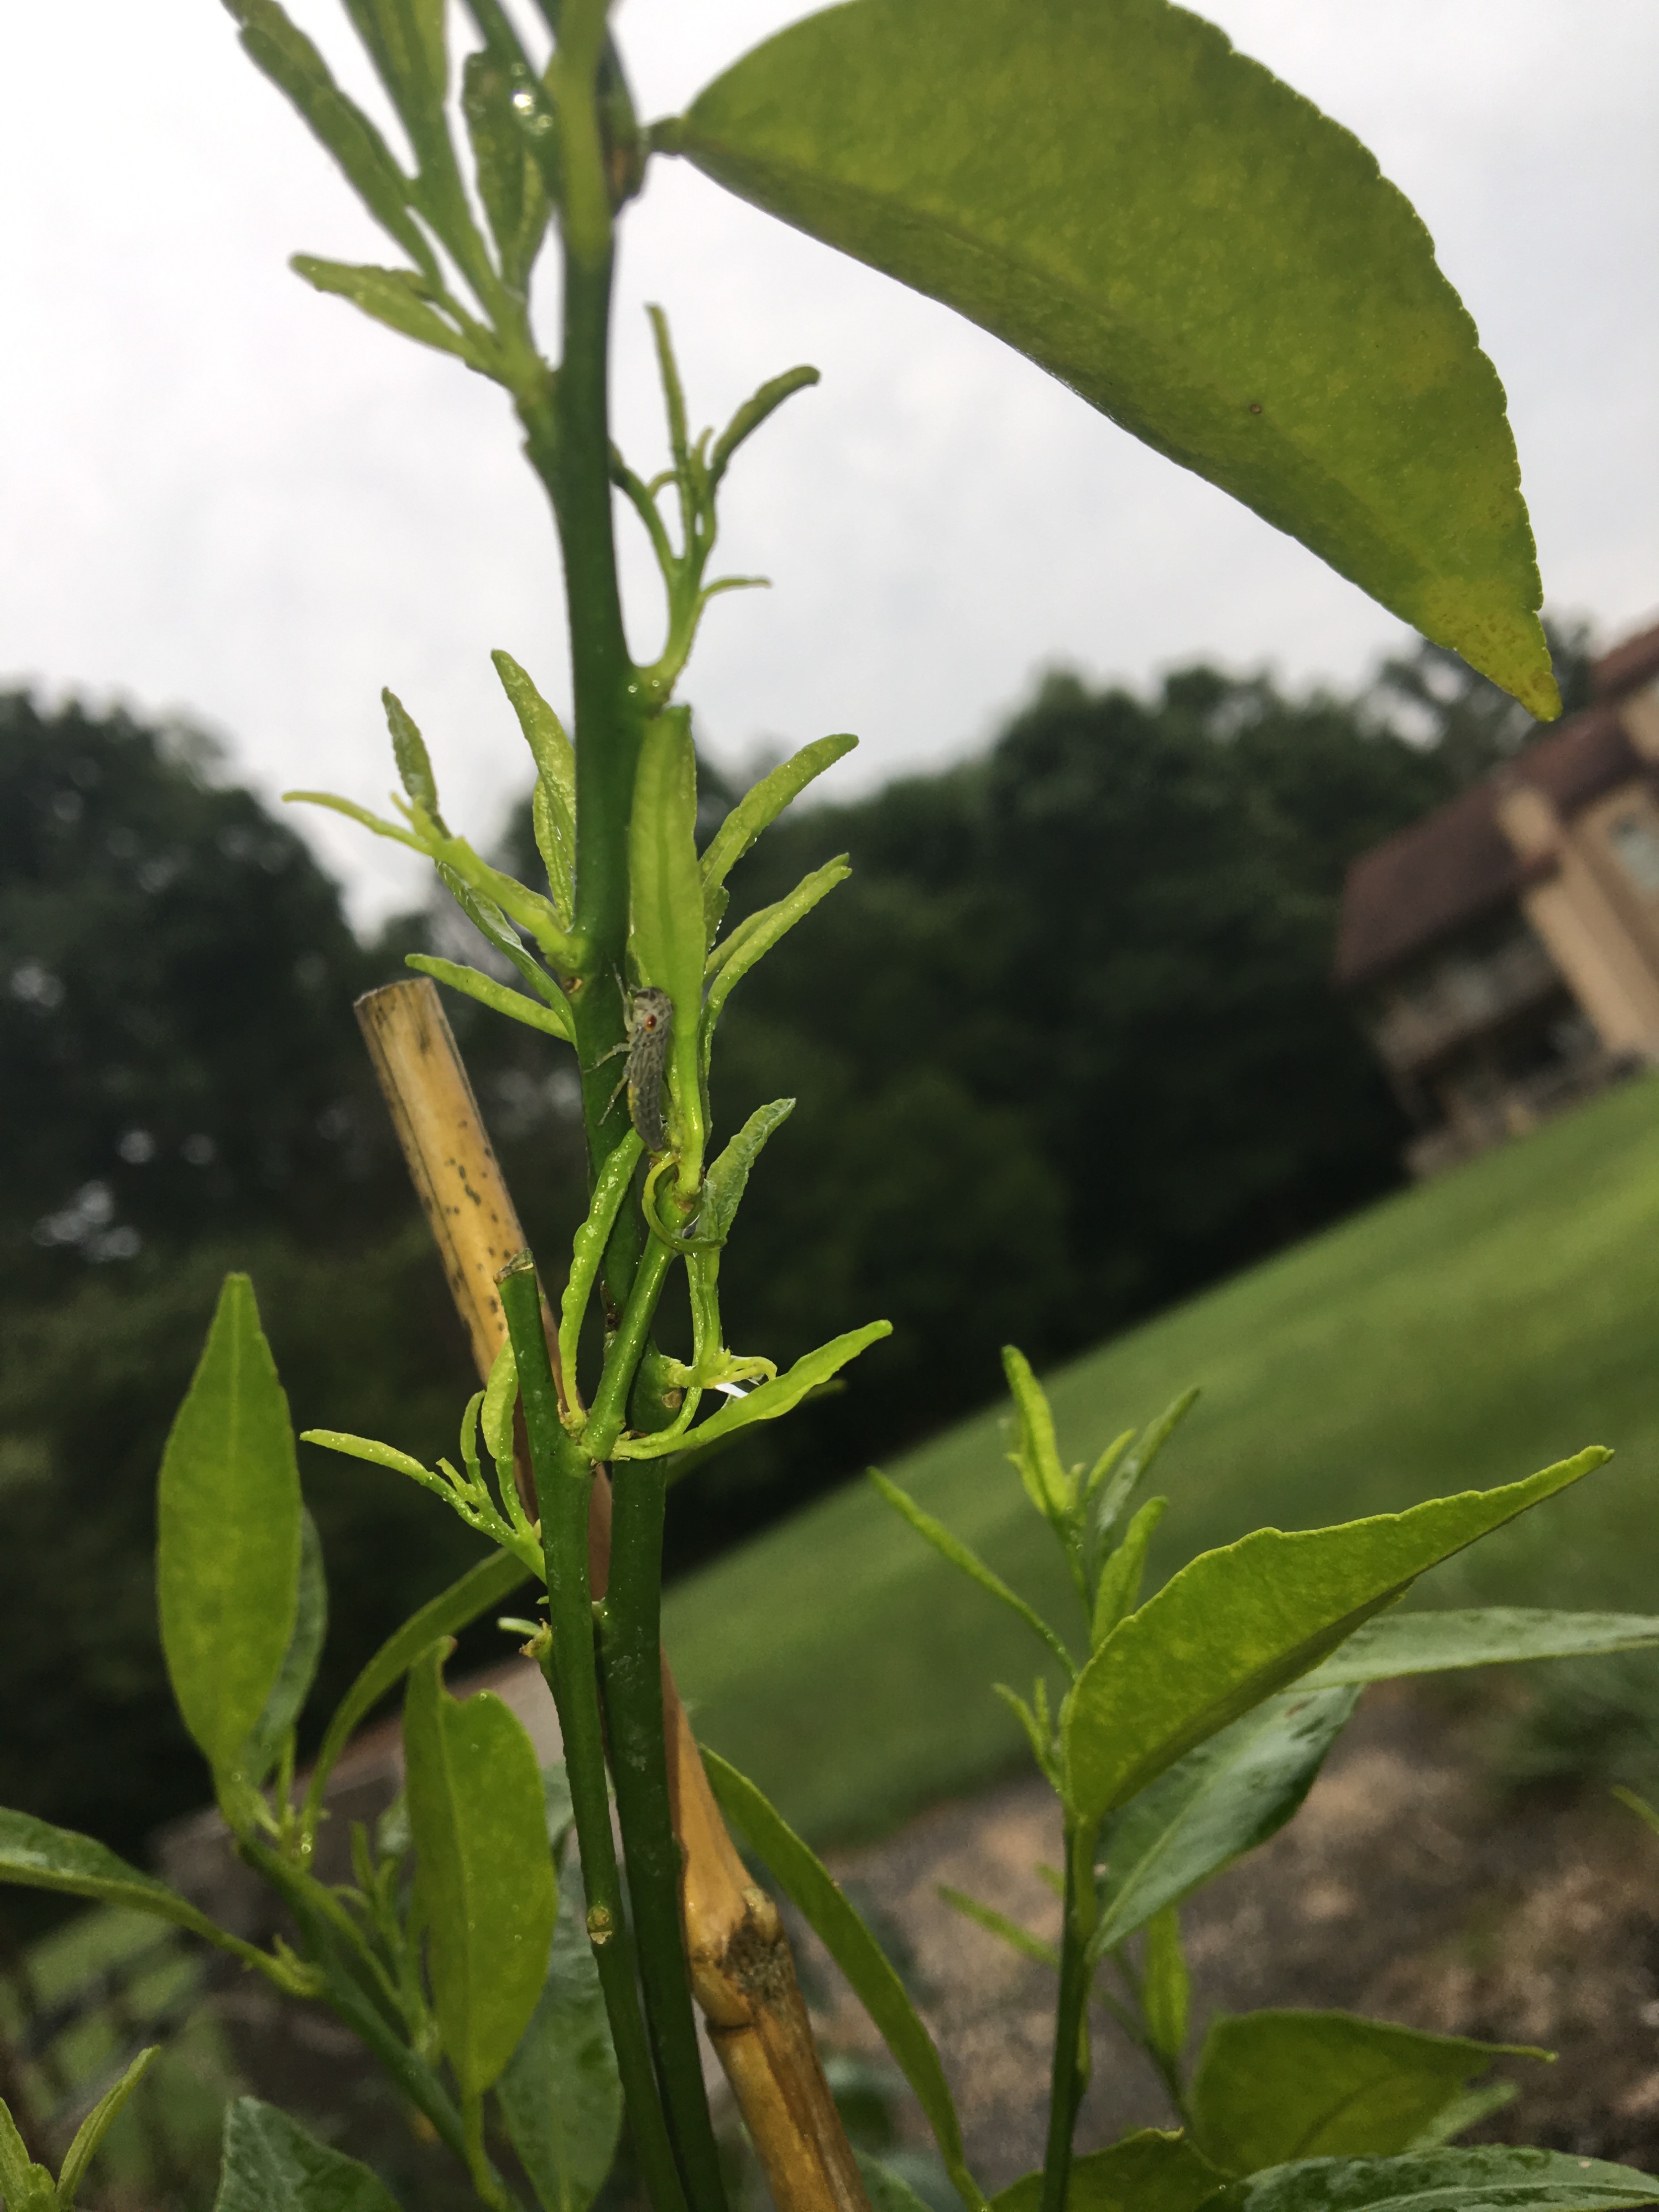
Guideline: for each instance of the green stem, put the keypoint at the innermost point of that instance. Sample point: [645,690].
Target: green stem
[1070,2075]
[564,1483]
[631,1650]
[604,1423]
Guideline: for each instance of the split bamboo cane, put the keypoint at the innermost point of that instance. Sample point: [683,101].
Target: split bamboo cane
[742,1972]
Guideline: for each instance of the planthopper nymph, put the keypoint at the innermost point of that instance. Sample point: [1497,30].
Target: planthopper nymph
[650,1028]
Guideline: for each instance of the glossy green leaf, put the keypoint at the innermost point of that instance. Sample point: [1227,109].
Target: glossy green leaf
[1118,1591]
[500,1398]
[555,776]
[36,1856]
[1465,2111]
[510,184]
[1147,2172]
[1433,1642]
[560,2095]
[499,932]
[396,297]
[665,906]
[762,803]
[1238,1624]
[1489,2180]
[968,1562]
[484,1882]
[1221,1801]
[1186,243]
[769,1401]
[97,2124]
[1270,2087]
[405,42]
[1048,1486]
[808,1883]
[270,2164]
[300,1662]
[288,57]
[728,1173]
[228,1542]
[1166,1989]
[472,983]
[447,1614]
[1000,1925]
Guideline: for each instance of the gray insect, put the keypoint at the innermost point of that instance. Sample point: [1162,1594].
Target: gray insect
[650,1019]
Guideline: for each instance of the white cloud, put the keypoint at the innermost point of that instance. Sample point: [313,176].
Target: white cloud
[227,496]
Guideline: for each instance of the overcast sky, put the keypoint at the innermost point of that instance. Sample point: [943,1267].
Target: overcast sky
[226,498]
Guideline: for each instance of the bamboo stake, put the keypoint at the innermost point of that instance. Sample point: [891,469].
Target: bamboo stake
[743,1975]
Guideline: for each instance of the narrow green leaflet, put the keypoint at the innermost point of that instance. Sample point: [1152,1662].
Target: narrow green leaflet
[96,2125]
[560,2095]
[509,181]
[587,1248]
[227,1540]
[888,2191]
[484,1882]
[1000,1925]
[36,1856]
[1222,1800]
[396,297]
[1186,242]
[26,2186]
[1047,1484]
[1147,2172]
[1236,1624]
[665,905]
[1119,1473]
[1270,2087]
[285,55]
[815,1892]
[299,1669]
[762,804]
[754,938]
[1432,1643]
[1490,2180]
[556,780]
[1118,1592]
[551,1020]
[268,2163]
[769,1401]
[952,1547]
[414,762]
[728,1173]
[447,1614]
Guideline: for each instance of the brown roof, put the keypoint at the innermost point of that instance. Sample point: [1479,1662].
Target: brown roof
[1456,865]
[1634,662]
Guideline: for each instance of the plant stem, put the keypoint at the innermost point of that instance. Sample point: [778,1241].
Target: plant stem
[1070,2075]
[605,1421]
[564,1483]
[630,1653]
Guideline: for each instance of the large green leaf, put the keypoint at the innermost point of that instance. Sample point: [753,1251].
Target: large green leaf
[1490,2180]
[1148,2172]
[228,1543]
[1223,1799]
[36,1856]
[1236,1624]
[1432,1643]
[1183,240]
[560,2095]
[447,1614]
[1270,2087]
[484,1881]
[819,1897]
[270,2164]
[300,1662]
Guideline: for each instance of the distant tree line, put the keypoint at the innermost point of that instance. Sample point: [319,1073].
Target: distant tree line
[1066,1040]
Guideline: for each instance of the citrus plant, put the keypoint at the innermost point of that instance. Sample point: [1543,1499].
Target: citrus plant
[1199,254]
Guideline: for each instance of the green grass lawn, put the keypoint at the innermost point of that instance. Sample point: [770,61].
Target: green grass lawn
[1453,1337]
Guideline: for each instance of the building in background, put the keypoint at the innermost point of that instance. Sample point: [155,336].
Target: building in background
[1503,954]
